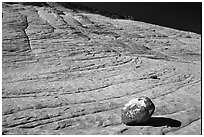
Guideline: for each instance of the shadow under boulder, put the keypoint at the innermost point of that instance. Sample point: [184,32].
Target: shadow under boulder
[158,122]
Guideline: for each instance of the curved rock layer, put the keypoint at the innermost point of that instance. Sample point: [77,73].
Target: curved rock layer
[67,72]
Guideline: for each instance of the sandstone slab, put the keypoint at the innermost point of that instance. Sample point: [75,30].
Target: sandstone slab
[62,76]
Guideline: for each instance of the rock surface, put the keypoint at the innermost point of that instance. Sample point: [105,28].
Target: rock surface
[137,111]
[68,72]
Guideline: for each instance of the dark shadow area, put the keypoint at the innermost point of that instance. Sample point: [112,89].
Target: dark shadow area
[78,6]
[185,16]
[40,4]
[159,122]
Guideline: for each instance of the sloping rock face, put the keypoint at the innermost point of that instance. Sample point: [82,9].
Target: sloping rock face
[67,72]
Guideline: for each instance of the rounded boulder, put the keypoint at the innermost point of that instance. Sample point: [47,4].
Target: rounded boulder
[137,111]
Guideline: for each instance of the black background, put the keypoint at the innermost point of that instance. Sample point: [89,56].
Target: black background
[185,16]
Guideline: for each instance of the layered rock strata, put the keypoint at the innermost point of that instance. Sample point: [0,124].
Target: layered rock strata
[68,72]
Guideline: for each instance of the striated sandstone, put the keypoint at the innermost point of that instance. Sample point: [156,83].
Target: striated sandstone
[68,72]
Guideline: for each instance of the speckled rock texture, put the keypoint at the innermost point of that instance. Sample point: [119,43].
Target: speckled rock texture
[137,111]
[66,71]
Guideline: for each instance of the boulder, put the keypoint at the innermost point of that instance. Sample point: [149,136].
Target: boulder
[137,111]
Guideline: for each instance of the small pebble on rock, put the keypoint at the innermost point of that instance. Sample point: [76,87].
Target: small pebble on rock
[137,111]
